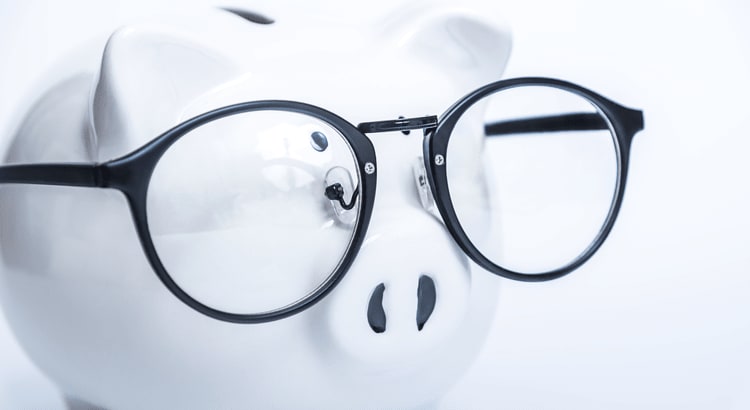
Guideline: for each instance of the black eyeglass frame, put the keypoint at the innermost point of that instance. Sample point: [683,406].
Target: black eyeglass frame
[131,174]
[625,122]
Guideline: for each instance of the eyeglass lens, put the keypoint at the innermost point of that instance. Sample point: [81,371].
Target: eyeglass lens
[532,173]
[237,212]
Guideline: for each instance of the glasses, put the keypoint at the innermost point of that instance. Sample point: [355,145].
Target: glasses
[254,212]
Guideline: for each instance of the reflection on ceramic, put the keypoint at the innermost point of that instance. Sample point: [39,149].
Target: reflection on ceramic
[78,291]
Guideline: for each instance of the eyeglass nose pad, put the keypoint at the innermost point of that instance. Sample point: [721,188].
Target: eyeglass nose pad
[342,176]
[423,188]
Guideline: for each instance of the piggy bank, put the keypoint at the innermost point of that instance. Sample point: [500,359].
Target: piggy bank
[83,300]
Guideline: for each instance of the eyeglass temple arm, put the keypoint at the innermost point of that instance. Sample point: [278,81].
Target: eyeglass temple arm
[553,123]
[90,174]
[71,174]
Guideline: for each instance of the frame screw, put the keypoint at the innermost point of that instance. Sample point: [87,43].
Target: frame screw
[369,168]
[439,159]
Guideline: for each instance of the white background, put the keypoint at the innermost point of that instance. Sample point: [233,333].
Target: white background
[660,317]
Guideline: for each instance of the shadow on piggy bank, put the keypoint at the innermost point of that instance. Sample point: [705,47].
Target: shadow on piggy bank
[84,302]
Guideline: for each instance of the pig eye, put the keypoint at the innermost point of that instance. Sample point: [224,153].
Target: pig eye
[318,141]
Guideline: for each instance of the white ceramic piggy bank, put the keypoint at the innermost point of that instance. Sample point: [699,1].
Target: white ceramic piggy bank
[83,300]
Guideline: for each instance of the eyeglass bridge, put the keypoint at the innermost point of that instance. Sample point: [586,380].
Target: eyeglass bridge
[401,124]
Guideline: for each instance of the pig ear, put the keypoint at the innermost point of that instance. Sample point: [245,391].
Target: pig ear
[147,79]
[475,51]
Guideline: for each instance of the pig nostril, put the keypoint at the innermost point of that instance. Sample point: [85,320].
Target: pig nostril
[426,296]
[375,312]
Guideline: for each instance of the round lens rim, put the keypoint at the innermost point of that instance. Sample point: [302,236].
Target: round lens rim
[132,175]
[623,121]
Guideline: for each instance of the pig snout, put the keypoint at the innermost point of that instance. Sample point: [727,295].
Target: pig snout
[408,290]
